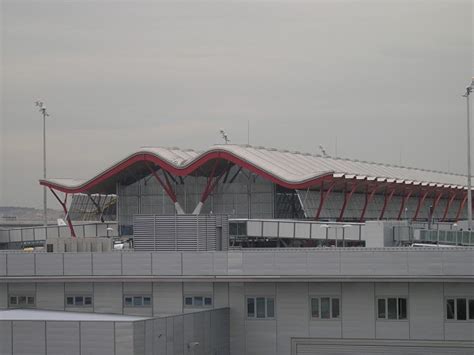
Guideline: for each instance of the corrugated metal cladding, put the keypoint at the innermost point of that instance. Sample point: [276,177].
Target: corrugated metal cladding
[170,335]
[180,232]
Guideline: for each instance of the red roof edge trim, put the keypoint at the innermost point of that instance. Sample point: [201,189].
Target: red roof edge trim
[148,157]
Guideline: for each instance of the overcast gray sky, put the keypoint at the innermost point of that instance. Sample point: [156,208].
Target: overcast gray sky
[382,77]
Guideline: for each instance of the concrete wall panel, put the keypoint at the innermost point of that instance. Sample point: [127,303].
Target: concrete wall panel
[108,297]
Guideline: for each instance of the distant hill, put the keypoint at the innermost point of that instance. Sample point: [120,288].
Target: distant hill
[16,214]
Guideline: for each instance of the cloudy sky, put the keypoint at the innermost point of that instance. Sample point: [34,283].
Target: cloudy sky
[382,78]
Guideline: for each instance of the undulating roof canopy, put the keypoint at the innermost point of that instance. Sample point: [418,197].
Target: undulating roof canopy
[292,170]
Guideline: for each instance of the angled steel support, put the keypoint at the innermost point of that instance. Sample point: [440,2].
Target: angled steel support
[211,184]
[404,201]
[97,205]
[421,200]
[66,212]
[388,198]
[168,189]
[368,199]
[347,199]
[448,206]
[324,195]
[436,203]
[461,206]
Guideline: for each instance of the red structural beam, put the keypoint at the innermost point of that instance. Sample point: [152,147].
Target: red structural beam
[64,206]
[436,202]
[368,199]
[448,206]
[461,206]
[387,199]
[421,201]
[404,201]
[185,171]
[167,187]
[347,199]
[323,197]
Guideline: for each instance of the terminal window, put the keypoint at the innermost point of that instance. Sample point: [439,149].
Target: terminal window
[460,308]
[197,301]
[325,307]
[22,301]
[392,308]
[137,301]
[260,307]
[78,301]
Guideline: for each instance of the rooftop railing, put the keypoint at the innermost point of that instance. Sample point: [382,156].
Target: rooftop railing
[293,263]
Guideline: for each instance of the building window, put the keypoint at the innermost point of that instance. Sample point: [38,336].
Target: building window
[325,307]
[137,301]
[78,301]
[392,308]
[23,301]
[260,307]
[197,301]
[460,308]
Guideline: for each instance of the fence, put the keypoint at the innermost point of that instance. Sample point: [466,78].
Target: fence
[37,234]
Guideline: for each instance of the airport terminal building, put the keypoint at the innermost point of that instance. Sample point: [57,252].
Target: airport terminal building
[247,251]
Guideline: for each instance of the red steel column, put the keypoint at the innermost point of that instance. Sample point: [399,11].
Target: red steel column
[386,201]
[436,202]
[347,199]
[324,196]
[404,201]
[368,199]
[421,200]
[448,206]
[461,206]
[63,204]
[168,189]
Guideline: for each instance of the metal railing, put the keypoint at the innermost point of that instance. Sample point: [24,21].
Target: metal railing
[37,234]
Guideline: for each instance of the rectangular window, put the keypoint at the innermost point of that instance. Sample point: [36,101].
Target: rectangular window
[325,307]
[450,308]
[335,307]
[460,308]
[198,301]
[137,301]
[471,309]
[22,301]
[392,308]
[381,308]
[402,308]
[260,307]
[251,307]
[461,311]
[188,301]
[270,308]
[78,301]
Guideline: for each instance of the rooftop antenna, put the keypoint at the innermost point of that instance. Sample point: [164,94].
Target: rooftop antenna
[323,151]
[225,137]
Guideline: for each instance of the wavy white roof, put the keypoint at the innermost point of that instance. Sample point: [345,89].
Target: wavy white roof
[285,166]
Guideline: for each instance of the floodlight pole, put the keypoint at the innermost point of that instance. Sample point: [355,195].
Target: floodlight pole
[469,192]
[44,113]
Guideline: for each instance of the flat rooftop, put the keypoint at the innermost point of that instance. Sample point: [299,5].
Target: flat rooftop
[40,315]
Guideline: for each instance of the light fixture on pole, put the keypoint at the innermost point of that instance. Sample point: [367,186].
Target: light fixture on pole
[42,109]
[469,90]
